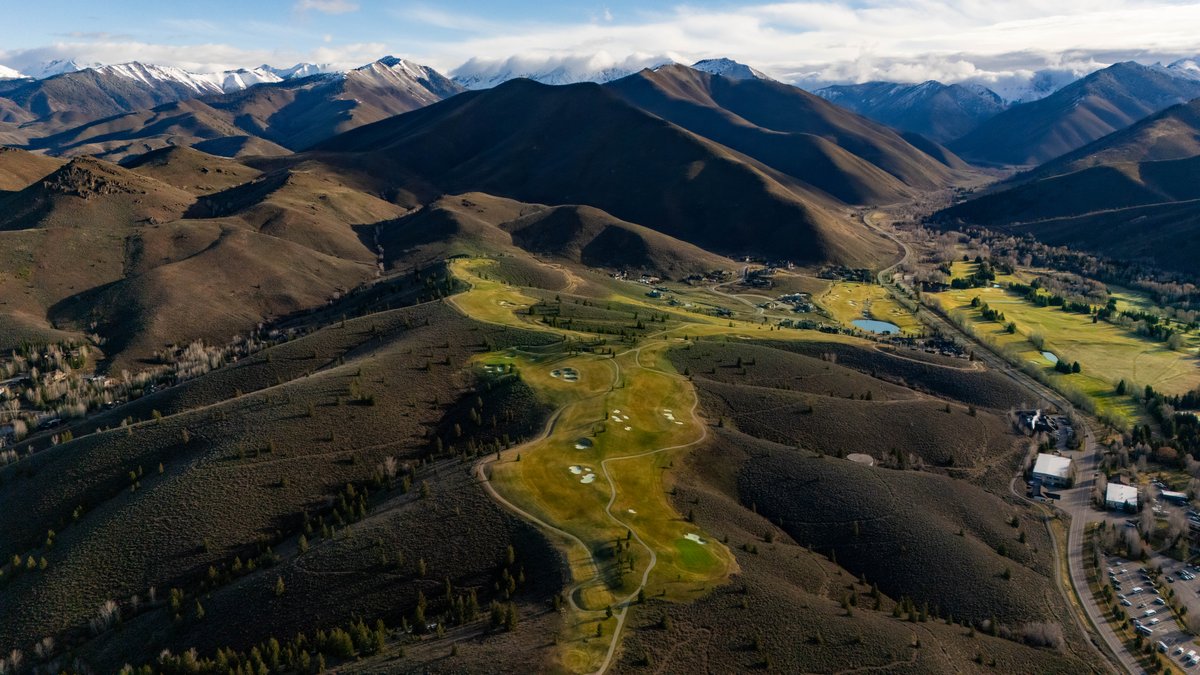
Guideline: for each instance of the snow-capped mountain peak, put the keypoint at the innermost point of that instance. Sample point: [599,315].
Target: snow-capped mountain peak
[237,80]
[7,73]
[729,68]
[58,67]
[601,68]
[300,70]
[1185,68]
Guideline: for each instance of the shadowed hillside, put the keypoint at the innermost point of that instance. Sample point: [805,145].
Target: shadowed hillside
[851,158]
[554,145]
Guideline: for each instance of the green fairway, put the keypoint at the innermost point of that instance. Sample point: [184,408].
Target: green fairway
[599,480]
[848,301]
[1107,353]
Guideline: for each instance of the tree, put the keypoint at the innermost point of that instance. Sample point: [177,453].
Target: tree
[1175,342]
[1075,368]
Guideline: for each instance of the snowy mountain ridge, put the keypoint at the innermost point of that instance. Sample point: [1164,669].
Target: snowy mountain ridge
[730,68]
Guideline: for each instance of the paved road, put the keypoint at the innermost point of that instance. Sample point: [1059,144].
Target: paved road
[1075,502]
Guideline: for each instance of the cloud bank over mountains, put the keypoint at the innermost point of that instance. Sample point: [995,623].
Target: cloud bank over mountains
[1001,45]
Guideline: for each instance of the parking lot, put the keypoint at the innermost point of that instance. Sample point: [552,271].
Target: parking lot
[1144,598]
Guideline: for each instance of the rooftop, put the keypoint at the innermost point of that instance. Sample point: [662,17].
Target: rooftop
[1121,494]
[1052,465]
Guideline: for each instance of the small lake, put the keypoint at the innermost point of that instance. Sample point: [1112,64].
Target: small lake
[1050,357]
[880,327]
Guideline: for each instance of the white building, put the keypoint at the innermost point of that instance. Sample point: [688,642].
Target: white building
[1052,470]
[1121,497]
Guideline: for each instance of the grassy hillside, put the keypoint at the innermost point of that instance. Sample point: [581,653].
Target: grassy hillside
[250,467]
[839,618]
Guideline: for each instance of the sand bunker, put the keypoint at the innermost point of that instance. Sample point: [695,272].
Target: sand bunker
[632,511]
[591,477]
[861,458]
[576,470]
[583,444]
[695,537]
[628,428]
[565,374]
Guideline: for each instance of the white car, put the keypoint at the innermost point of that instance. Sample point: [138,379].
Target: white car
[1149,612]
[1126,603]
[1154,622]
[1145,630]
[1135,590]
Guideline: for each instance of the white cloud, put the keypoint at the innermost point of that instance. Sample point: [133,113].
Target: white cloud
[562,68]
[876,39]
[326,6]
[199,58]
[804,41]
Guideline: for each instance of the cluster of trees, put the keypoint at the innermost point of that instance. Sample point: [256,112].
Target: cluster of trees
[988,313]
[1034,294]
[301,654]
[1167,287]
[984,274]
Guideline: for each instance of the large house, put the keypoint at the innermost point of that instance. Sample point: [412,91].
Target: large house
[1052,470]
[1120,496]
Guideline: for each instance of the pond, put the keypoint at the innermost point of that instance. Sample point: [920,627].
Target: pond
[881,327]
[1050,357]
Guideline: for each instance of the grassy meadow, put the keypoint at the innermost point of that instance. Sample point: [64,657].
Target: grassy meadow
[1107,353]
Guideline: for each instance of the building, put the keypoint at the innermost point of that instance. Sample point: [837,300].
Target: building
[1174,497]
[1052,470]
[1121,497]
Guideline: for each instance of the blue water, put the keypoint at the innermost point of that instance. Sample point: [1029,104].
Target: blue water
[1050,357]
[881,327]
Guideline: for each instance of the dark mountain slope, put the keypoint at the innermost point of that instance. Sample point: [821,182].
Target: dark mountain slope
[1171,134]
[475,222]
[582,144]
[789,129]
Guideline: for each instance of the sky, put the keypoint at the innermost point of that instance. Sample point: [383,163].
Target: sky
[848,41]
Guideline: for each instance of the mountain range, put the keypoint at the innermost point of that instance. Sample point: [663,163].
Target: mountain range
[1133,194]
[1083,111]
[665,170]
[938,111]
